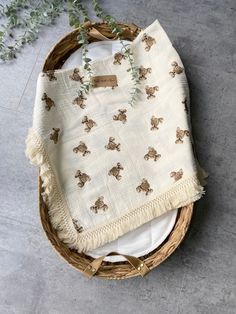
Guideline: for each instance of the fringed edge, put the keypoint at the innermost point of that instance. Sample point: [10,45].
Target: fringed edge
[181,194]
[52,196]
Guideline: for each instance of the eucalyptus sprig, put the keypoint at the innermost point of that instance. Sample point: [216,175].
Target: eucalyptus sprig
[86,84]
[13,7]
[134,70]
[29,16]
[126,50]
[30,22]
[76,12]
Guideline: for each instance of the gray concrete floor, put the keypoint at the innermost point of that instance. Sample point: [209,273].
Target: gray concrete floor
[200,277]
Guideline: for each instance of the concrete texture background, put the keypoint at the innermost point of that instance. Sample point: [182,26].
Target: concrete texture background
[200,277]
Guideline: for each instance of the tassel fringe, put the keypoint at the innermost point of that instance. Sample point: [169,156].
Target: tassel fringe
[181,194]
[52,196]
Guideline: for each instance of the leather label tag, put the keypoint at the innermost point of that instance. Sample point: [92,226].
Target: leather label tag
[104,81]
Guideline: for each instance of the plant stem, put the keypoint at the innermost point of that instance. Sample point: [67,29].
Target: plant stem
[77,9]
[31,23]
[127,51]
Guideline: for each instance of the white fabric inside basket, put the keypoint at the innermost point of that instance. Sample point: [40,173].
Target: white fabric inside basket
[146,238]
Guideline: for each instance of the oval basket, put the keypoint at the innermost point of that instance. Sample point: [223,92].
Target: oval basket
[107,270]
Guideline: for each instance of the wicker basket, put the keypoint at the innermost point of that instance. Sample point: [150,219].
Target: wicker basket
[86,264]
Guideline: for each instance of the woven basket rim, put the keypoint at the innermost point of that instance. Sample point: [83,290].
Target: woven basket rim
[108,270]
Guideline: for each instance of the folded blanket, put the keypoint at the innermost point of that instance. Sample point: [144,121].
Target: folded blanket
[108,167]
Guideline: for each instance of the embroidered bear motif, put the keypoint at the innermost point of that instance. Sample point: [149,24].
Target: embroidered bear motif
[54,135]
[144,187]
[121,116]
[152,154]
[49,102]
[83,178]
[99,204]
[77,225]
[150,91]
[75,76]
[149,41]
[155,122]
[79,101]
[177,175]
[176,69]
[112,145]
[143,72]
[185,102]
[118,57]
[89,123]
[115,171]
[180,135]
[82,148]
[51,75]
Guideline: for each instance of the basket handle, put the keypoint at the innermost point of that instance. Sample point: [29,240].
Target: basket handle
[94,266]
[93,32]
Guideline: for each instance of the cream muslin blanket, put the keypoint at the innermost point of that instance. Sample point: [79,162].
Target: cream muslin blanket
[108,167]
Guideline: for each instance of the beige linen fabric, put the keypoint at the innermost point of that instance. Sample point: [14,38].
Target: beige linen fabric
[109,167]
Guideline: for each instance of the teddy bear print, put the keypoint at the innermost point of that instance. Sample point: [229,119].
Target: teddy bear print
[149,41]
[49,103]
[112,145]
[99,205]
[177,175]
[51,75]
[77,225]
[143,72]
[118,57]
[150,91]
[155,122]
[176,69]
[115,171]
[54,135]
[144,187]
[75,76]
[184,102]
[89,124]
[79,101]
[83,178]
[121,116]
[82,148]
[180,135]
[152,154]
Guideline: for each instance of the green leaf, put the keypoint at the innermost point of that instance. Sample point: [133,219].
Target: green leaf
[71,20]
[87,60]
